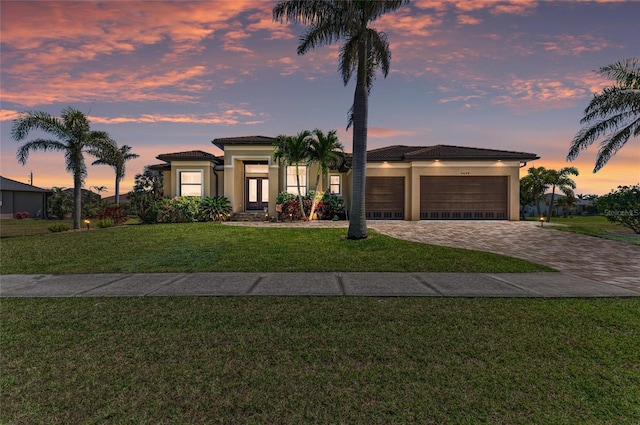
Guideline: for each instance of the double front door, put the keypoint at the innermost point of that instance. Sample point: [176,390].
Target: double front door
[257,193]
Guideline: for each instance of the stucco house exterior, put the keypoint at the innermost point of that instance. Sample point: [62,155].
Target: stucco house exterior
[403,182]
[19,197]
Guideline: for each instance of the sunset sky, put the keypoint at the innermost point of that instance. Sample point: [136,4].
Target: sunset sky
[169,76]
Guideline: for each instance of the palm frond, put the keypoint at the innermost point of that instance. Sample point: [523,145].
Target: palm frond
[613,114]
[38,145]
[625,72]
[37,120]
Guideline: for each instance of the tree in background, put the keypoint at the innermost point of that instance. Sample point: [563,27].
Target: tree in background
[59,203]
[559,179]
[117,158]
[622,206]
[148,186]
[364,50]
[73,136]
[294,151]
[325,149]
[613,115]
[534,185]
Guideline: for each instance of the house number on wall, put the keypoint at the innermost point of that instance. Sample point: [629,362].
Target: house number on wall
[465,173]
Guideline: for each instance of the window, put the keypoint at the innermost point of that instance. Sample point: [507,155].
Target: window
[292,183]
[335,184]
[190,183]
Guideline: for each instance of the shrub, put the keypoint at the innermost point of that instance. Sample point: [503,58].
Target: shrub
[217,208]
[105,222]
[22,215]
[115,213]
[284,197]
[178,210]
[59,227]
[290,210]
[331,207]
[622,206]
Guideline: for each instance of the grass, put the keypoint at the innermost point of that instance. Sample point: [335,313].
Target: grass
[212,247]
[320,360]
[28,227]
[597,226]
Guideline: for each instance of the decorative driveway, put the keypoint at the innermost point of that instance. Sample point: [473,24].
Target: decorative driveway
[602,260]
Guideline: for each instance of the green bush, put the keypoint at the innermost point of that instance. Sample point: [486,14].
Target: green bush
[284,197]
[622,206]
[217,208]
[59,227]
[105,222]
[186,209]
[60,203]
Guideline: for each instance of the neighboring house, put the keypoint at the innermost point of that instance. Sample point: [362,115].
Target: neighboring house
[111,200]
[403,182]
[18,197]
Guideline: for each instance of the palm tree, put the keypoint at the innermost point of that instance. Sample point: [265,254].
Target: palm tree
[324,150]
[535,184]
[364,50]
[293,151]
[613,114]
[116,158]
[74,136]
[562,181]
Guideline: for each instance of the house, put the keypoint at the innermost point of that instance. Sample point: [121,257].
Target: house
[403,182]
[20,197]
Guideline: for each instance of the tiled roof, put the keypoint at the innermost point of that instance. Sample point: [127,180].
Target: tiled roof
[245,140]
[160,167]
[412,153]
[188,156]
[16,186]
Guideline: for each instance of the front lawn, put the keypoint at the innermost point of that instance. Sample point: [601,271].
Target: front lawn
[212,247]
[320,360]
[597,226]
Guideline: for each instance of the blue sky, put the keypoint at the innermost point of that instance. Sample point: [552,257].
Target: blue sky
[166,76]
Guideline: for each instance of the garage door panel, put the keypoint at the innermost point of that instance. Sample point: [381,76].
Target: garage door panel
[463,198]
[384,198]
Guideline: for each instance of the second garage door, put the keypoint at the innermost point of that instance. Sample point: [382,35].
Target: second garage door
[463,198]
[384,198]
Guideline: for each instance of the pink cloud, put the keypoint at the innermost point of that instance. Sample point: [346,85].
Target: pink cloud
[575,45]
[8,114]
[386,132]
[538,92]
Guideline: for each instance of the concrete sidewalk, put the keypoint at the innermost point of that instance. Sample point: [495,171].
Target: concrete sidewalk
[309,284]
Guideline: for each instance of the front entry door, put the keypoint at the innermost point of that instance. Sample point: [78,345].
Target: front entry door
[257,193]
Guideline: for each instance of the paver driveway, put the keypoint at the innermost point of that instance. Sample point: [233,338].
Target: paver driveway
[603,260]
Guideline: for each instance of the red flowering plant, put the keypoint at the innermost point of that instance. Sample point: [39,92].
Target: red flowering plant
[113,212]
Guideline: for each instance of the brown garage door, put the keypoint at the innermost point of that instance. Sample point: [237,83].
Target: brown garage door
[463,198]
[384,198]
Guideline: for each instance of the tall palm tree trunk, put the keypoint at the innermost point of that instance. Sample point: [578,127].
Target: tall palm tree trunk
[117,191]
[553,195]
[77,197]
[358,221]
[315,196]
[300,201]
